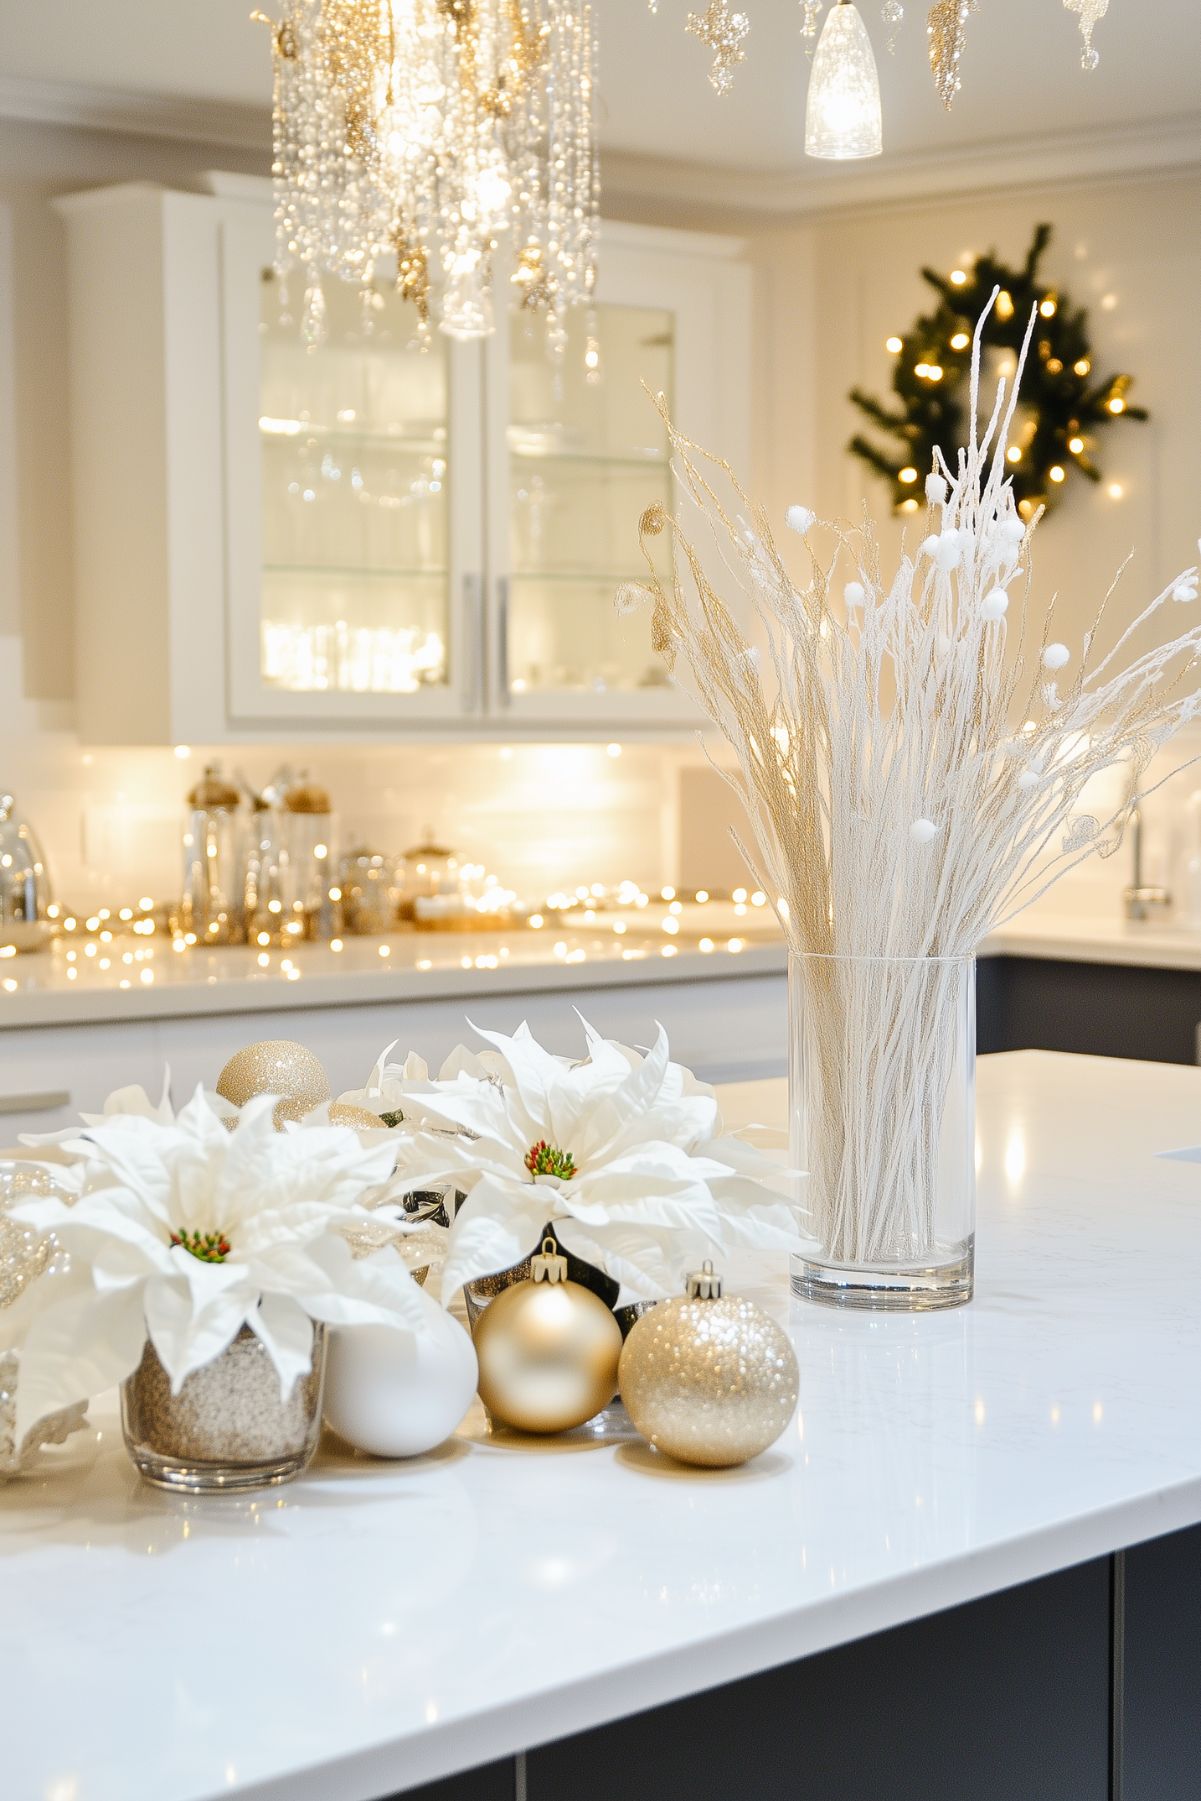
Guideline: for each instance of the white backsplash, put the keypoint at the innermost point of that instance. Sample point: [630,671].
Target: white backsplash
[540,816]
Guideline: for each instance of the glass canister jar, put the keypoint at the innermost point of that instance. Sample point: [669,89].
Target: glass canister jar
[306,872]
[431,869]
[371,891]
[212,903]
[24,881]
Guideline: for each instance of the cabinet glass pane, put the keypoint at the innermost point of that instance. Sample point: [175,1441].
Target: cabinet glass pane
[355,502]
[587,453]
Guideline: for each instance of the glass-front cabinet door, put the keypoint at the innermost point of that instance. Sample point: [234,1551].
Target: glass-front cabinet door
[354,504]
[577,452]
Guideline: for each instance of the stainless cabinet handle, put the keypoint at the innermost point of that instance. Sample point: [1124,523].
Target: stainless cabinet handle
[473,640]
[35,1103]
[502,639]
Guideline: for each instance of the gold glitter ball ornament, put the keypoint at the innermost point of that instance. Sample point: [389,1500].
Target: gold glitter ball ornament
[276,1066]
[345,1113]
[548,1350]
[709,1379]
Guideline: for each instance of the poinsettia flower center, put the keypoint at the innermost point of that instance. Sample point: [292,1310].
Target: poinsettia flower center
[544,1159]
[209,1247]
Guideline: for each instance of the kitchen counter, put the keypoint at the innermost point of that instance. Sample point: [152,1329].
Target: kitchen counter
[376,1626]
[135,978]
[159,982]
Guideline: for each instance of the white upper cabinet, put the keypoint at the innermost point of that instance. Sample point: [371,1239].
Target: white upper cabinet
[368,538]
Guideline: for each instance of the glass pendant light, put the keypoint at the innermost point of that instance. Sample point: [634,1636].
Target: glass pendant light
[842,115]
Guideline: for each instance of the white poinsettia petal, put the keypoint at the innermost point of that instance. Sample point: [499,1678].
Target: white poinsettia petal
[286,1331]
[610,1061]
[539,1079]
[431,1160]
[365,1291]
[648,1265]
[285,1267]
[187,1335]
[487,1237]
[76,1347]
[467,1105]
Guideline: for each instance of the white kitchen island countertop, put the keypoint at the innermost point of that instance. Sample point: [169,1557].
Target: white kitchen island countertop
[376,1626]
[134,979]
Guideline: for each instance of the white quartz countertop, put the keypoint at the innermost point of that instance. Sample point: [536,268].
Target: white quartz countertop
[133,978]
[376,1626]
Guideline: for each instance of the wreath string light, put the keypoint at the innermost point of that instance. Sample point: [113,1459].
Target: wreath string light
[1064,405]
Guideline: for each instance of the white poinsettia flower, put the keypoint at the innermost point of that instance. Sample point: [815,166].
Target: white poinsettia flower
[183,1231]
[622,1153]
[389,1083]
[130,1101]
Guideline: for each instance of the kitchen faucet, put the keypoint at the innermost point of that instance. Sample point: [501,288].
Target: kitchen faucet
[1141,899]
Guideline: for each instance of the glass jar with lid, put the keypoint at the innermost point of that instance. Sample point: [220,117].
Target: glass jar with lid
[211,909]
[371,888]
[430,869]
[25,895]
[306,875]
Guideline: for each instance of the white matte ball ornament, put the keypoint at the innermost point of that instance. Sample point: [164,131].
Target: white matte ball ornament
[936,490]
[1055,656]
[923,831]
[853,594]
[995,605]
[399,1394]
[800,519]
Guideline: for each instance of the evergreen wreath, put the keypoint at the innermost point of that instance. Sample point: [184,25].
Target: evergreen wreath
[1063,406]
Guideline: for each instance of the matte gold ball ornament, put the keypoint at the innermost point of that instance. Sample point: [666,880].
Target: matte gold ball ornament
[709,1379]
[275,1066]
[548,1350]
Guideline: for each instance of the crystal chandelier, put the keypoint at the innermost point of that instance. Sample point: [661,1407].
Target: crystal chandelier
[433,138]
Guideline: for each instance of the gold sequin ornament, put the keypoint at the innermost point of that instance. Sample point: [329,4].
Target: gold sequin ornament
[276,1066]
[709,1379]
[548,1350]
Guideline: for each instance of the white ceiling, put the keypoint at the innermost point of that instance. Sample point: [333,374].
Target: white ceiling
[1021,71]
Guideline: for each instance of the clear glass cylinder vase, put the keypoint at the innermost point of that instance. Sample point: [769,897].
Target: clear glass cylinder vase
[882,1060]
[229,1427]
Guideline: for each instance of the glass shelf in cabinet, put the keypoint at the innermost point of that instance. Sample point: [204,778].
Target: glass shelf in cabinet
[596,578]
[651,459]
[350,572]
[278,433]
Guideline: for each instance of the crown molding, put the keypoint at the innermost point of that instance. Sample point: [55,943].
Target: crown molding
[224,123]
[777,196]
[639,180]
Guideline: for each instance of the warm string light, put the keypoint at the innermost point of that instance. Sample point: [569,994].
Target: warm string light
[931,364]
[425,132]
